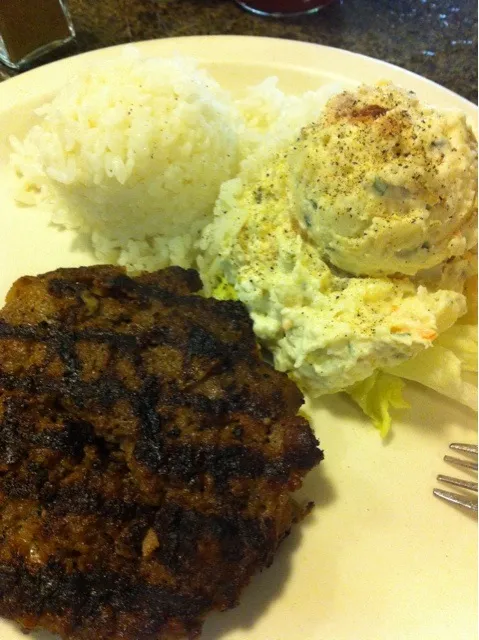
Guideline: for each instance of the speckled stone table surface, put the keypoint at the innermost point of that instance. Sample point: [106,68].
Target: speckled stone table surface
[435,38]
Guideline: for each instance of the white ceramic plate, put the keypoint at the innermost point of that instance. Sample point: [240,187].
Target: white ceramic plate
[379,558]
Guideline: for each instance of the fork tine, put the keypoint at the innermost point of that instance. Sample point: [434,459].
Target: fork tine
[468,448]
[456,499]
[465,484]
[461,463]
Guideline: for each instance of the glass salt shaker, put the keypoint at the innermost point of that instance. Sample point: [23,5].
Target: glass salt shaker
[31,28]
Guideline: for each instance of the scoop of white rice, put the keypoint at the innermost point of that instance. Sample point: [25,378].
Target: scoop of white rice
[132,152]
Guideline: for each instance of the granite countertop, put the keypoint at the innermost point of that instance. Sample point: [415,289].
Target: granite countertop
[435,38]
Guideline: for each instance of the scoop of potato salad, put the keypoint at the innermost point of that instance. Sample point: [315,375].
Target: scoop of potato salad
[383,184]
[351,246]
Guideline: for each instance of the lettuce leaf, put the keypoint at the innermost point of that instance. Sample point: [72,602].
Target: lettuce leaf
[376,395]
[224,291]
[449,367]
[461,339]
[449,371]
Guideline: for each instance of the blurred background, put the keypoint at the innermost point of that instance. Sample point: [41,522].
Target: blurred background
[435,38]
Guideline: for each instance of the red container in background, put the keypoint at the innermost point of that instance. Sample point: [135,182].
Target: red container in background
[280,8]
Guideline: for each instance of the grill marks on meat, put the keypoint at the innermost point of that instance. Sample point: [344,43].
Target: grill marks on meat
[147,454]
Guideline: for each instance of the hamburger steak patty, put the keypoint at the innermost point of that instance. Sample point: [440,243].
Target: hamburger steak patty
[147,454]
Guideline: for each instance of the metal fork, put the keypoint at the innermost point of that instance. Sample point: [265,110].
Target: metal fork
[457,498]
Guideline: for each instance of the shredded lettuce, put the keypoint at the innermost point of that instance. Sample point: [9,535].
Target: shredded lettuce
[376,395]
